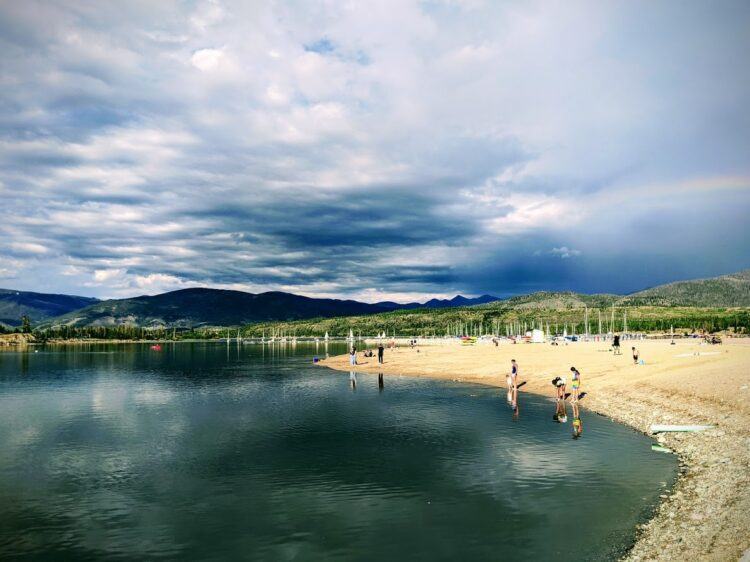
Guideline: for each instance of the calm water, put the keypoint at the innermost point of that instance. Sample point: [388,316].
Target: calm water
[208,452]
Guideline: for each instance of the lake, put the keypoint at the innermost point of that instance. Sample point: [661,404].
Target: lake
[209,451]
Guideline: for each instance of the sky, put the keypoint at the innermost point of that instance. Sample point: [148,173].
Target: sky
[372,150]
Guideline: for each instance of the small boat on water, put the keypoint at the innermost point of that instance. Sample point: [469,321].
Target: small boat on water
[155,347]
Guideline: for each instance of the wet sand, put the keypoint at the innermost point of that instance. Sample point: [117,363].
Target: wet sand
[706,515]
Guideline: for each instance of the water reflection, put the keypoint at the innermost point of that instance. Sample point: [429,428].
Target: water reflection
[561,411]
[122,452]
[577,423]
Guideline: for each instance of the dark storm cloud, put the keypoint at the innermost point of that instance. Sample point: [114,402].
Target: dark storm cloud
[333,151]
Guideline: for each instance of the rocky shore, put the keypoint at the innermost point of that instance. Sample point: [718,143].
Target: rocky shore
[16,339]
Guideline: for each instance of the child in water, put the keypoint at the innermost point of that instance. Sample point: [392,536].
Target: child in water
[576,384]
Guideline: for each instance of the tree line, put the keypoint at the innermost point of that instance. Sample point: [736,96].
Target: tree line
[438,322]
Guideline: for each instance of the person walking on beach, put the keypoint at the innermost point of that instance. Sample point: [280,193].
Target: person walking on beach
[353,356]
[635,356]
[381,350]
[575,384]
[616,345]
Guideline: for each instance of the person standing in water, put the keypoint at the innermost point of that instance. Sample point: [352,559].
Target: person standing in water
[381,350]
[511,379]
[635,356]
[575,384]
[559,384]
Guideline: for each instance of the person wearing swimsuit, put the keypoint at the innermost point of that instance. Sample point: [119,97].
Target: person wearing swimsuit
[559,384]
[513,383]
[575,384]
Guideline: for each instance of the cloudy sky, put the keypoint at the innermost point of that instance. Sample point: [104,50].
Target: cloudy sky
[374,150]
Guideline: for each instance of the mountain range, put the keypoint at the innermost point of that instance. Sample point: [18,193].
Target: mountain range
[37,306]
[196,307]
[218,307]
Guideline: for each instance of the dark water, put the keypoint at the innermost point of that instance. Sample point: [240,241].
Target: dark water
[208,452]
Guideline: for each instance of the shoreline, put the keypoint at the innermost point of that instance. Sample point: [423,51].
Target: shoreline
[706,514]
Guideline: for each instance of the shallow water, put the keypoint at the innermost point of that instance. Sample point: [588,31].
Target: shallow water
[209,451]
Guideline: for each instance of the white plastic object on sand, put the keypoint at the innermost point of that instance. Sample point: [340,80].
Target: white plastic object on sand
[657,428]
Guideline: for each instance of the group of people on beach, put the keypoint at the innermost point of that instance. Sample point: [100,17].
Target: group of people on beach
[616,349]
[560,384]
[367,353]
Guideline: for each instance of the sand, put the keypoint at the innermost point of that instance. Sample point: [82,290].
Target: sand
[706,516]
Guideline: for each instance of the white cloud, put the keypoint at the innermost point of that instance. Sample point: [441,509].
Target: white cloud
[28,248]
[207,14]
[394,148]
[104,275]
[564,252]
[207,59]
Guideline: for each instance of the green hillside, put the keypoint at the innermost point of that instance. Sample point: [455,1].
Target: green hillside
[213,307]
[708,304]
[726,291]
[37,306]
[500,319]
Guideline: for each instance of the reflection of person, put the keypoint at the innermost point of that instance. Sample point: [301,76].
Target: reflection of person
[381,350]
[380,381]
[353,379]
[575,384]
[635,356]
[353,356]
[577,424]
[561,412]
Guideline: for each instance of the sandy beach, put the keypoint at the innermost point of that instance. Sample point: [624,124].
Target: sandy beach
[706,516]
